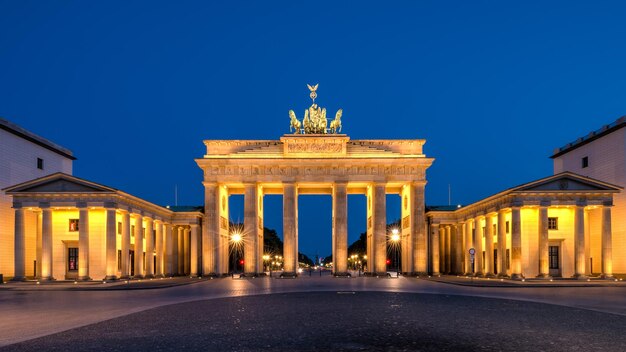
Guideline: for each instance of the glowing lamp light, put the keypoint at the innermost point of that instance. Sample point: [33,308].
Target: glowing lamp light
[236,237]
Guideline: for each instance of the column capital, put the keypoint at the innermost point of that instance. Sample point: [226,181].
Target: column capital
[17,205]
[44,205]
[81,205]
[110,205]
[194,226]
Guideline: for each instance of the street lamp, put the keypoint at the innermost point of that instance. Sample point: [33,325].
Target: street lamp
[395,239]
[235,238]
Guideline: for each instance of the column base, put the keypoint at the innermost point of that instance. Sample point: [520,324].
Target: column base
[517,277]
[48,278]
[83,278]
[159,276]
[342,274]
[490,275]
[502,276]
[18,278]
[288,274]
[150,276]
[580,277]
[111,278]
[436,274]
[607,277]
[479,274]
[138,277]
[544,277]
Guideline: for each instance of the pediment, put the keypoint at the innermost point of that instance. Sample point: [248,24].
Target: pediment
[59,183]
[566,182]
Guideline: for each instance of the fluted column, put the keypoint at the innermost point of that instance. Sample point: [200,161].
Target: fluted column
[111,243]
[210,229]
[169,250]
[250,227]
[19,244]
[46,243]
[83,242]
[159,248]
[138,246]
[340,228]
[149,248]
[607,243]
[502,244]
[458,248]
[434,242]
[175,253]
[478,246]
[543,254]
[516,243]
[180,251]
[290,226]
[448,249]
[579,242]
[419,232]
[186,250]
[126,245]
[193,249]
[468,245]
[380,229]
[489,246]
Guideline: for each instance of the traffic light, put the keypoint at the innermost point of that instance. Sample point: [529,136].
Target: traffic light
[241,262]
[388,261]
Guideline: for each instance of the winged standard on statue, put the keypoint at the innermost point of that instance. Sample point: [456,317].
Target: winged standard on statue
[314,121]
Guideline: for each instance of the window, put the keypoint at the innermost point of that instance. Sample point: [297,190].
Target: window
[119,227]
[154,237]
[473,235]
[144,232]
[119,259]
[484,231]
[507,227]
[483,260]
[585,162]
[553,223]
[508,259]
[132,230]
[72,259]
[40,163]
[73,226]
[495,229]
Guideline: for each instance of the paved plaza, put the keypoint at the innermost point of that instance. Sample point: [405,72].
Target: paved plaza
[315,313]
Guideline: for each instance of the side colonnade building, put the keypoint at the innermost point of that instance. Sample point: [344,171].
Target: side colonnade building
[558,226]
[70,228]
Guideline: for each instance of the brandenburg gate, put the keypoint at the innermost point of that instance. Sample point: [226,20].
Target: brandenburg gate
[314,159]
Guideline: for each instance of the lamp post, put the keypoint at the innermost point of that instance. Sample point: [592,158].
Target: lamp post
[236,240]
[266,258]
[395,239]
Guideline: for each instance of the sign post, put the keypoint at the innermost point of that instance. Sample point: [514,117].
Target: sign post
[472,251]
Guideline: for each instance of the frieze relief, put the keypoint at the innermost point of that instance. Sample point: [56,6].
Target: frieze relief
[314,170]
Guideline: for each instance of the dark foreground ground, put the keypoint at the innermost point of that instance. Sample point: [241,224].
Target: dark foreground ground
[346,321]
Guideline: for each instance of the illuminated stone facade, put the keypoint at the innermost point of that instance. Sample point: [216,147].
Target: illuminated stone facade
[314,164]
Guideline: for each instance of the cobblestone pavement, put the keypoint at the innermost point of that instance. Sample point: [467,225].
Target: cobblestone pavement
[348,321]
[30,314]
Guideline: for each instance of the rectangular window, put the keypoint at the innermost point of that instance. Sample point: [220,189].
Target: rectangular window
[507,227]
[473,235]
[154,236]
[483,260]
[144,261]
[585,162]
[508,259]
[143,232]
[132,230]
[40,163]
[484,231]
[72,259]
[554,257]
[73,226]
[119,227]
[495,229]
[553,223]
[119,259]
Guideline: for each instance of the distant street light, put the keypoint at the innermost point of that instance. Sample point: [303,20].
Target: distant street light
[236,239]
[395,239]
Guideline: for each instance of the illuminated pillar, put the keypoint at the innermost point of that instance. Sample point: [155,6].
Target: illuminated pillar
[159,248]
[169,250]
[516,243]
[607,246]
[250,228]
[210,228]
[20,244]
[139,232]
[83,242]
[544,268]
[419,232]
[502,244]
[175,253]
[46,243]
[180,251]
[290,226]
[442,249]
[434,242]
[489,246]
[448,249]
[380,229]
[187,251]
[478,246]
[193,249]
[579,242]
[126,245]
[468,245]
[458,248]
[340,228]
[111,243]
[149,248]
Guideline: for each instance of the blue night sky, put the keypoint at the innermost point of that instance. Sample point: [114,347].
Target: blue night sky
[132,88]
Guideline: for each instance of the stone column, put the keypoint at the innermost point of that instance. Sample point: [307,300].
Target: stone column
[434,242]
[442,249]
[20,244]
[468,244]
[489,246]
[478,246]
[210,229]
[149,248]
[419,232]
[516,243]
[340,228]
[169,250]
[159,248]
[111,243]
[250,228]
[180,251]
[458,248]
[175,253]
[380,229]
[187,251]
[83,242]
[193,249]
[502,244]
[46,243]
[579,242]
[448,249]
[607,243]
[542,250]
[126,245]
[290,226]
[138,247]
